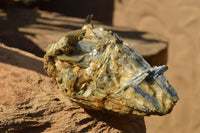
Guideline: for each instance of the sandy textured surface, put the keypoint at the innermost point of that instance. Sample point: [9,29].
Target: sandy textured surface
[179,21]
[29,100]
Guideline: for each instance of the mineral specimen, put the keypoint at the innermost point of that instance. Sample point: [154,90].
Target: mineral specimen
[97,70]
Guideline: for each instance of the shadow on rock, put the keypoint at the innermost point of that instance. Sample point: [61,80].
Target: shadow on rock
[10,35]
[124,123]
[11,20]
[20,59]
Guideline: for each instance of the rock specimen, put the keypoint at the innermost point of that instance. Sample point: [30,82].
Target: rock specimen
[97,70]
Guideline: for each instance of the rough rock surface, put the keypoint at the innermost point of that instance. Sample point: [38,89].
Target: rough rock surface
[30,102]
